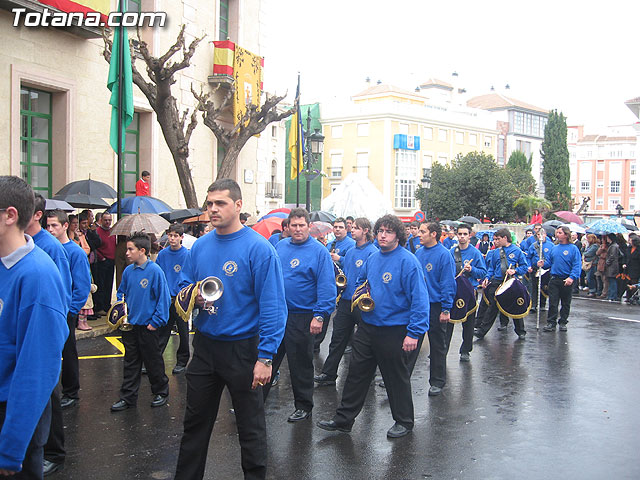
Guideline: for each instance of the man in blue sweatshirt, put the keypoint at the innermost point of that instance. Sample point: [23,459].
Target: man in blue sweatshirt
[533,255]
[233,347]
[310,290]
[505,260]
[390,335]
[145,291]
[342,243]
[413,241]
[346,319]
[172,261]
[565,262]
[470,261]
[450,240]
[33,330]
[439,271]
[276,237]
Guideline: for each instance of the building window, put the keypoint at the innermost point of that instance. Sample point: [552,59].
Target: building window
[585,186]
[363,129]
[406,175]
[133,5]
[362,163]
[336,131]
[524,147]
[613,202]
[428,133]
[131,168]
[35,139]
[600,184]
[460,138]
[473,139]
[518,122]
[614,186]
[336,165]
[442,134]
[404,129]
[223,20]
[599,166]
[427,161]
[632,183]
[443,159]
[274,131]
[633,170]
[488,141]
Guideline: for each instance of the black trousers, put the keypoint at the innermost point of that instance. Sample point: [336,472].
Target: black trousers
[379,347]
[32,463]
[467,333]
[534,292]
[142,345]
[319,337]
[298,346]
[492,311]
[558,292]
[216,364]
[343,323]
[103,278]
[54,450]
[182,356]
[438,347]
[70,366]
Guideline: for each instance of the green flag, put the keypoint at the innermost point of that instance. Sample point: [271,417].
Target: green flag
[114,86]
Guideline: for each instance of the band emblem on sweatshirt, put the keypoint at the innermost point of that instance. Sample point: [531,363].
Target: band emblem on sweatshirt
[294,263]
[566,252]
[386,277]
[359,263]
[177,267]
[144,283]
[429,267]
[230,268]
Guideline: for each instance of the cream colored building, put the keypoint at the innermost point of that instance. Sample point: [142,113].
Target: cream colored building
[392,135]
[55,113]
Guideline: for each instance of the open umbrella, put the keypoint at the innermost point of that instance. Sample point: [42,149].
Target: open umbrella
[280,215]
[319,229]
[469,219]
[322,216]
[569,217]
[180,214]
[267,226]
[131,205]
[89,187]
[281,210]
[202,218]
[550,230]
[553,223]
[54,204]
[629,224]
[449,223]
[606,226]
[82,200]
[140,222]
[576,228]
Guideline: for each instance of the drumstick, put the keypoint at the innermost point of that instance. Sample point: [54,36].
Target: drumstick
[466,262]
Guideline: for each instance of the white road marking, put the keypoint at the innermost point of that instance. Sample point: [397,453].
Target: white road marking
[624,319]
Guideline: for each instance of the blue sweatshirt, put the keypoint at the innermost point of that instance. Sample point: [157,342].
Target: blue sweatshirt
[515,257]
[532,252]
[56,251]
[80,276]
[309,279]
[449,242]
[478,267]
[398,289]
[439,271]
[353,261]
[415,241]
[253,301]
[565,261]
[144,288]
[33,329]
[275,238]
[342,247]
[172,263]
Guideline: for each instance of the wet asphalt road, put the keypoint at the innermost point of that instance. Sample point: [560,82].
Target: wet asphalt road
[556,405]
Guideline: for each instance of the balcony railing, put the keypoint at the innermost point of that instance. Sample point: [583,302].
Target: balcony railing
[273,190]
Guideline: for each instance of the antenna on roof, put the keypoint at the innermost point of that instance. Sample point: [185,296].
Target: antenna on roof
[492,89]
[379,82]
[454,74]
[418,89]
[368,79]
[507,87]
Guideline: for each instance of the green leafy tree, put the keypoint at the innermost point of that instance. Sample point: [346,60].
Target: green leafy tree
[519,161]
[526,204]
[555,156]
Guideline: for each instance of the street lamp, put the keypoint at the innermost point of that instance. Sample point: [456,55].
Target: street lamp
[426,184]
[314,146]
[619,208]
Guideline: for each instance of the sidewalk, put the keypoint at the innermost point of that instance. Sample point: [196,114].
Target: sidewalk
[99,326]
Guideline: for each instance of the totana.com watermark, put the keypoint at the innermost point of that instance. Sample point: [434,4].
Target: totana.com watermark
[48,18]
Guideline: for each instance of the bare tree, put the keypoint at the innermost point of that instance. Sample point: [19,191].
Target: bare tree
[233,138]
[161,71]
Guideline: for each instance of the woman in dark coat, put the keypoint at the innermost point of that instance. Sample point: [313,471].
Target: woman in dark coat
[633,263]
[612,267]
[623,260]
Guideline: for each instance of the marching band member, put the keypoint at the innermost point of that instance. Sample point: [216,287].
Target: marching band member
[470,261]
[388,336]
[346,318]
[276,237]
[533,255]
[310,290]
[146,293]
[342,243]
[236,338]
[439,272]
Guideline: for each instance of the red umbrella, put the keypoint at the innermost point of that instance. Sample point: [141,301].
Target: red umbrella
[319,229]
[569,217]
[283,210]
[267,226]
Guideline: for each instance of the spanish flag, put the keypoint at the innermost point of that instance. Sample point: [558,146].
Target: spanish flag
[296,138]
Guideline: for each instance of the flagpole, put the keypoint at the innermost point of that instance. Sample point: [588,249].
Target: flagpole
[120,102]
[297,142]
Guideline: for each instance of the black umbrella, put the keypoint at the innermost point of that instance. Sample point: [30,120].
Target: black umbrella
[553,223]
[55,204]
[322,216]
[469,219]
[89,187]
[81,200]
[181,214]
[550,229]
[450,223]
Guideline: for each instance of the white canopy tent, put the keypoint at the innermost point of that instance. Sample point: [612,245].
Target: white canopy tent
[357,196]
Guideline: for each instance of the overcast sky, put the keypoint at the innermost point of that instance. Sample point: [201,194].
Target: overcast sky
[581,57]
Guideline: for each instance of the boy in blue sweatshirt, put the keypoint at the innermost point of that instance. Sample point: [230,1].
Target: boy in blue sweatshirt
[33,330]
[390,335]
[439,273]
[310,290]
[144,289]
[533,255]
[172,261]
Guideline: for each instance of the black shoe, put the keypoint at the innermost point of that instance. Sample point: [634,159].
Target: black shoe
[398,431]
[562,328]
[299,415]
[348,350]
[323,380]
[143,370]
[522,336]
[434,391]
[478,333]
[276,379]
[465,357]
[159,400]
[382,385]
[119,406]
[49,468]
[66,402]
[92,317]
[178,369]
[533,310]
[502,328]
[332,426]
[549,327]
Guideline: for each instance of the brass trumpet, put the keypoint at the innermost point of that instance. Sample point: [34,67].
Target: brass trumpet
[211,289]
[341,278]
[362,298]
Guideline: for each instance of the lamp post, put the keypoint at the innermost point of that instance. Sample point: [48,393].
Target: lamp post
[619,208]
[426,184]
[314,145]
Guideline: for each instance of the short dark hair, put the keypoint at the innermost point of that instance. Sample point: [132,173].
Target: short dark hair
[395,224]
[73,217]
[245,216]
[363,223]
[84,215]
[59,214]
[106,212]
[415,223]
[349,217]
[140,240]
[97,217]
[485,235]
[299,213]
[144,173]
[463,225]
[284,223]
[40,205]
[504,233]
[227,184]
[176,228]
[434,227]
[16,193]
[340,220]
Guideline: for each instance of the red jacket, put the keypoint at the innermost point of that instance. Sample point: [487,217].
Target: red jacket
[142,188]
